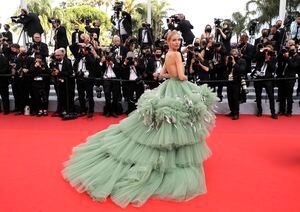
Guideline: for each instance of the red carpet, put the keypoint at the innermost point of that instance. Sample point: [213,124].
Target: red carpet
[255,166]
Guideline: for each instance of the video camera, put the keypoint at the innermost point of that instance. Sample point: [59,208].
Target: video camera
[86,20]
[217,22]
[173,19]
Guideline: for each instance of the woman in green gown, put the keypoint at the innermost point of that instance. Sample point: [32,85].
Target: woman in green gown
[158,151]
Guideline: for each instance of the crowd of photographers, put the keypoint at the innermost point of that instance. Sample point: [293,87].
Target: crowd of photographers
[132,64]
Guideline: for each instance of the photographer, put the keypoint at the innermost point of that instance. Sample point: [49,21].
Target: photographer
[31,22]
[7,35]
[135,87]
[76,39]
[94,29]
[145,35]
[218,68]
[85,67]
[295,30]
[62,71]
[24,63]
[265,69]
[199,69]
[40,85]
[235,68]
[39,48]
[60,37]
[124,26]
[248,52]
[146,63]
[263,39]
[207,34]
[158,64]
[225,35]
[288,65]
[185,27]
[4,82]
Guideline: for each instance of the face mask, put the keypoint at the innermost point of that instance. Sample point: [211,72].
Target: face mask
[208,30]
[265,34]
[158,55]
[196,44]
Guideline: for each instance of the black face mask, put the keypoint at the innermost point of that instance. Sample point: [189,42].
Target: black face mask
[236,58]
[208,30]
[158,55]
[196,44]
[265,35]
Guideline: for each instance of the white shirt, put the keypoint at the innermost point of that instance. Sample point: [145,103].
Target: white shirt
[122,28]
[263,69]
[144,36]
[133,75]
[60,64]
[82,68]
[109,73]
[158,66]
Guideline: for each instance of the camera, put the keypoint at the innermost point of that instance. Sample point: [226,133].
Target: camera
[173,19]
[244,85]
[51,20]
[86,20]
[118,6]
[217,22]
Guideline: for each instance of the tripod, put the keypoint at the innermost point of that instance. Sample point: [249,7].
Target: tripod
[25,37]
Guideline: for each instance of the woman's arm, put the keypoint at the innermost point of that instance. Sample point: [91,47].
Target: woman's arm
[163,72]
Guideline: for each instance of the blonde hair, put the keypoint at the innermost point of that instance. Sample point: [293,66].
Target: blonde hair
[171,34]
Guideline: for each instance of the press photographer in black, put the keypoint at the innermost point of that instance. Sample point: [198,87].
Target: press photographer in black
[146,62]
[223,34]
[184,26]
[40,85]
[31,22]
[86,69]
[145,35]
[95,29]
[4,82]
[61,71]
[288,66]
[199,68]
[265,69]
[60,37]
[135,87]
[235,68]
[38,47]
[7,35]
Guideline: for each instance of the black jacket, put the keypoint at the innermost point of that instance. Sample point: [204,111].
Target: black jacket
[292,65]
[185,27]
[40,48]
[271,68]
[31,24]
[149,35]
[4,69]
[239,70]
[74,37]
[61,39]
[67,69]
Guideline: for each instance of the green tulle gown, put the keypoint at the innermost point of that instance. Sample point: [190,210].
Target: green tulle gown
[157,151]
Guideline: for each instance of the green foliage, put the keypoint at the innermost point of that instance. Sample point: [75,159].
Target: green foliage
[74,15]
[240,24]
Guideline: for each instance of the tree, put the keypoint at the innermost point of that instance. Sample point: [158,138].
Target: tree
[76,14]
[240,24]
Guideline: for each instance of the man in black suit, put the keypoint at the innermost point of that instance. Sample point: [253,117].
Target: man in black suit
[235,68]
[62,70]
[4,82]
[263,39]
[135,85]
[288,66]
[125,26]
[30,21]
[94,29]
[7,35]
[85,67]
[145,36]
[60,37]
[265,69]
[76,39]
[185,27]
